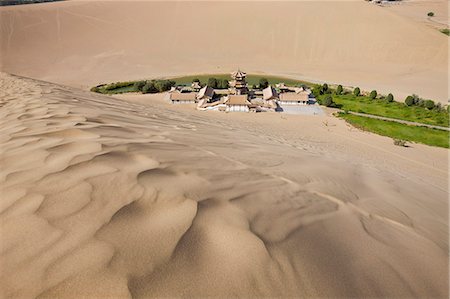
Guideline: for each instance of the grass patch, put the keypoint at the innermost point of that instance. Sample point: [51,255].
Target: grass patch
[115,88]
[395,130]
[364,104]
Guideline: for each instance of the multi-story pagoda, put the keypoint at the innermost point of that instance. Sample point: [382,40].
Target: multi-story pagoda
[238,85]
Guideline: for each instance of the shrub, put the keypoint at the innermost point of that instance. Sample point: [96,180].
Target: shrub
[373,94]
[400,142]
[149,87]
[212,82]
[325,87]
[224,84]
[390,98]
[138,85]
[357,91]
[429,104]
[95,89]
[339,90]
[328,102]
[263,83]
[317,90]
[446,31]
[409,101]
[430,14]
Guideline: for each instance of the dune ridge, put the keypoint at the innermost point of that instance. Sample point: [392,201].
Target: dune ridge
[84,43]
[105,197]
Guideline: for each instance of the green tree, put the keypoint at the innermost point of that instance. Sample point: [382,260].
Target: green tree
[137,86]
[212,82]
[325,87]
[263,83]
[390,98]
[328,101]
[149,87]
[317,90]
[409,101]
[357,91]
[339,90]
[429,104]
[163,85]
[373,94]
[224,84]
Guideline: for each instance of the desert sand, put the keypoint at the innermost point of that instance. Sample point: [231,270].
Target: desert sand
[117,198]
[128,196]
[418,10]
[84,43]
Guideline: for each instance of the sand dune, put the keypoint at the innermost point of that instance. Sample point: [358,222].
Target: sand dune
[418,10]
[83,43]
[109,198]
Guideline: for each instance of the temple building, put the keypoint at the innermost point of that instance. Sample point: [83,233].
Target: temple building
[238,85]
[206,93]
[270,93]
[183,98]
[237,103]
[293,98]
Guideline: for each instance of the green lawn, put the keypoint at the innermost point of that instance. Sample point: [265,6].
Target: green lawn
[252,79]
[399,131]
[123,87]
[395,110]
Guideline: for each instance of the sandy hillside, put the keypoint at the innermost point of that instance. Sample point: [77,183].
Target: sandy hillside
[418,10]
[83,43]
[107,198]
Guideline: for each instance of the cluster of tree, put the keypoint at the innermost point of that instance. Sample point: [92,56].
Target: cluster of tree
[216,83]
[263,83]
[325,89]
[328,101]
[374,94]
[153,86]
[319,90]
[415,100]
[117,85]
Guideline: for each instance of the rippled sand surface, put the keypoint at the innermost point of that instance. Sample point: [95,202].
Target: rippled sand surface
[102,197]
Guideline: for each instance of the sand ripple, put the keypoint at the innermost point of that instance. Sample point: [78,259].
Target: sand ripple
[105,198]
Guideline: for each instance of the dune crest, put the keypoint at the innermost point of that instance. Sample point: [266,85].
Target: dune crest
[103,197]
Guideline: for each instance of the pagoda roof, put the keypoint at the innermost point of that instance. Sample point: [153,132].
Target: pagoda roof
[238,74]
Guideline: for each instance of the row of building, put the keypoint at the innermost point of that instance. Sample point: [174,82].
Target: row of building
[239,98]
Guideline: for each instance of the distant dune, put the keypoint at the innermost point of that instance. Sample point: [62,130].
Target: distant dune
[103,198]
[83,43]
